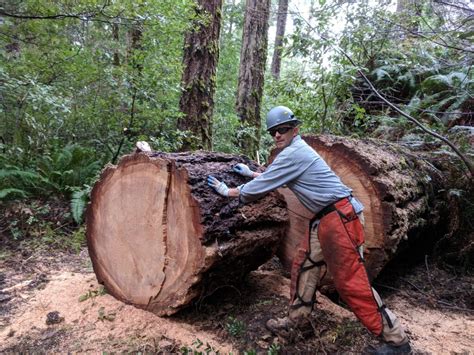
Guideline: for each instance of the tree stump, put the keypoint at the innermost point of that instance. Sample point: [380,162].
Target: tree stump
[395,186]
[160,238]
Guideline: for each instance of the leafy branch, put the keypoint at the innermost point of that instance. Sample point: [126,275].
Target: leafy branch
[466,161]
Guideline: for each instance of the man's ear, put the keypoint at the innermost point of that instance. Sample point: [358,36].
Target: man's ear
[296,131]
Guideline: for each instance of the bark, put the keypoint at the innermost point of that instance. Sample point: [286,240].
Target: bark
[160,238]
[253,56]
[134,60]
[135,35]
[201,55]
[280,34]
[116,38]
[396,187]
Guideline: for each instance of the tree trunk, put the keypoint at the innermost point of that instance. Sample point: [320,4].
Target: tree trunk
[410,13]
[201,55]
[253,56]
[116,38]
[280,34]
[135,61]
[160,238]
[395,187]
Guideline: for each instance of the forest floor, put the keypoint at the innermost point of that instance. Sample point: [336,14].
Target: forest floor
[50,301]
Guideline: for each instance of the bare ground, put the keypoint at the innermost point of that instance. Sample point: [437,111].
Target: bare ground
[50,301]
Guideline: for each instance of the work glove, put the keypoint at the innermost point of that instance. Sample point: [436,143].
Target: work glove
[243,170]
[220,187]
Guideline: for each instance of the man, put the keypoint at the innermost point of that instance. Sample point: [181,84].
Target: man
[334,241]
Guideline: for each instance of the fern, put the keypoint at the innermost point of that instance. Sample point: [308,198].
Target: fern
[61,171]
[12,191]
[442,82]
[457,78]
[414,105]
[380,74]
[436,83]
[407,79]
[71,166]
[27,176]
[78,203]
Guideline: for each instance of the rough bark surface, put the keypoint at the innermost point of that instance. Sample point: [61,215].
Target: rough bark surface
[280,34]
[201,54]
[160,238]
[253,56]
[396,188]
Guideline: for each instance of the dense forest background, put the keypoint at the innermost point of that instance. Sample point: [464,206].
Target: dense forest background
[82,81]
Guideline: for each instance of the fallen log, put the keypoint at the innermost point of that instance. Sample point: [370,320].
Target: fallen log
[395,186]
[160,238]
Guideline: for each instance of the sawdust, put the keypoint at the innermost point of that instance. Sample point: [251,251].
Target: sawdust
[97,318]
[435,331]
[102,323]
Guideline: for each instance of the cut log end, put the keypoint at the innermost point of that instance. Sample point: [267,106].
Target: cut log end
[389,182]
[157,234]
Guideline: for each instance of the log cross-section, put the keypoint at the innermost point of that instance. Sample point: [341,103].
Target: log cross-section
[159,237]
[395,186]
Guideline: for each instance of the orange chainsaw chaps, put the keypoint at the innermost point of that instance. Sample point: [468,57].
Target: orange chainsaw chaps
[340,233]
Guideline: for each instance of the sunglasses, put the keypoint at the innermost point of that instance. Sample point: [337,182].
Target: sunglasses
[281,130]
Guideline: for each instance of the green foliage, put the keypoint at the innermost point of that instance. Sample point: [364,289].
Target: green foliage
[103,315]
[79,80]
[235,327]
[22,181]
[198,348]
[274,349]
[60,171]
[68,167]
[92,294]
[431,82]
[225,121]
[47,236]
[79,201]
[11,191]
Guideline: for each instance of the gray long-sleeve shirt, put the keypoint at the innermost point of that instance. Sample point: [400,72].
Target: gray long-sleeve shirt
[304,172]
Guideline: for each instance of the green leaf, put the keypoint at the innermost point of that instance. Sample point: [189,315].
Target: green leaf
[12,191]
[78,204]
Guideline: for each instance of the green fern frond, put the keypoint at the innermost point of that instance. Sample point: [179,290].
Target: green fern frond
[442,104]
[12,191]
[457,78]
[71,166]
[381,74]
[436,83]
[19,174]
[78,203]
[414,105]
[62,160]
[407,79]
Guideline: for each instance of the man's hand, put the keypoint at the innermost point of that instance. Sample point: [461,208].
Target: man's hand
[243,170]
[220,187]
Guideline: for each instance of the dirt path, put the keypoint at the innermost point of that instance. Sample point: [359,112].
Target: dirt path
[435,331]
[233,321]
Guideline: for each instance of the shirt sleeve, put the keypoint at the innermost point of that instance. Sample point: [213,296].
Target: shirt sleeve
[282,171]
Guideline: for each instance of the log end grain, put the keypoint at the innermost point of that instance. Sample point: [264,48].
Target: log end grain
[159,237]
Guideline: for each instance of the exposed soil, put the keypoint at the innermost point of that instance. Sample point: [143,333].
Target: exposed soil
[50,301]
